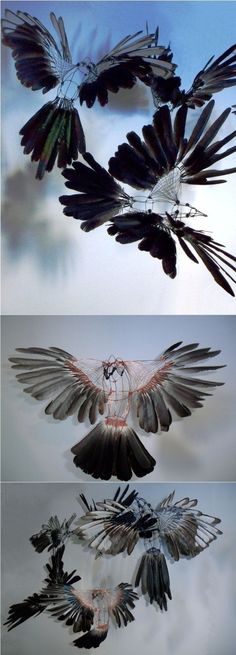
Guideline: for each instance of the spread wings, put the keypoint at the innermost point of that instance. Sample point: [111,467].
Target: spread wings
[89,611]
[39,62]
[184,530]
[74,386]
[154,388]
[112,526]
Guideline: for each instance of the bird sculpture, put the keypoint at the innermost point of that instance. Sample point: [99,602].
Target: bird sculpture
[153,390]
[171,529]
[87,611]
[55,133]
[161,165]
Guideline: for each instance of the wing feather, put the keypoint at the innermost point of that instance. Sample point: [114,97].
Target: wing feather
[166,384]
[184,530]
[75,386]
[39,62]
[119,601]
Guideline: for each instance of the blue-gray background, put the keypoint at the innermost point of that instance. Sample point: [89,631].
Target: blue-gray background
[201,614]
[49,265]
[199,447]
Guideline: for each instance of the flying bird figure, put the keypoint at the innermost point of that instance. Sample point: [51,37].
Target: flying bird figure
[217,74]
[153,390]
[160,164]
[55,132]
[87,611]
[175,529]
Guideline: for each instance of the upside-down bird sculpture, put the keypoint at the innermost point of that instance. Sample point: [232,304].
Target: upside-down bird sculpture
[153,390]
[87,611]
[55,131]
[174,528]
[161,164]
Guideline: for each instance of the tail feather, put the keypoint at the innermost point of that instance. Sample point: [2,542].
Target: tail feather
[113,448]
[91,639]
[154,577]
[54,132]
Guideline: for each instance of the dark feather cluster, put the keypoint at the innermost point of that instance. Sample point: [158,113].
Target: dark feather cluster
[217,74]
[153,576]
[112,450]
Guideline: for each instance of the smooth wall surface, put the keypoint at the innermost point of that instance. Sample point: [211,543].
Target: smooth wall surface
[199,447]
[200,617]
[50,266]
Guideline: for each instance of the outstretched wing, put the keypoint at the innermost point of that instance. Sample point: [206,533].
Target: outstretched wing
[113,527]
[184,530]
[119,602]
[39,62]
[100,198]
[155,235]
[74,386]
[167,158]
[209,251]
[37,603]
[69,605]
[170,383]
[130,59]
[20,612]
[217,74]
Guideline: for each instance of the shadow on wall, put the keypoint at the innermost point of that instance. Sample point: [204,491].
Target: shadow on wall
[28,221]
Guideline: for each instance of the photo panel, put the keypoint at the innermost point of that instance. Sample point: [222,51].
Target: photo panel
[195,619]
[60,268]
[164,416]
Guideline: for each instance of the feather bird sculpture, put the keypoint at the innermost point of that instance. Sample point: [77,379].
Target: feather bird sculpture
[55,132]
[175,529]
[87,611]
[217,74]
[162,164]
[152,390]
